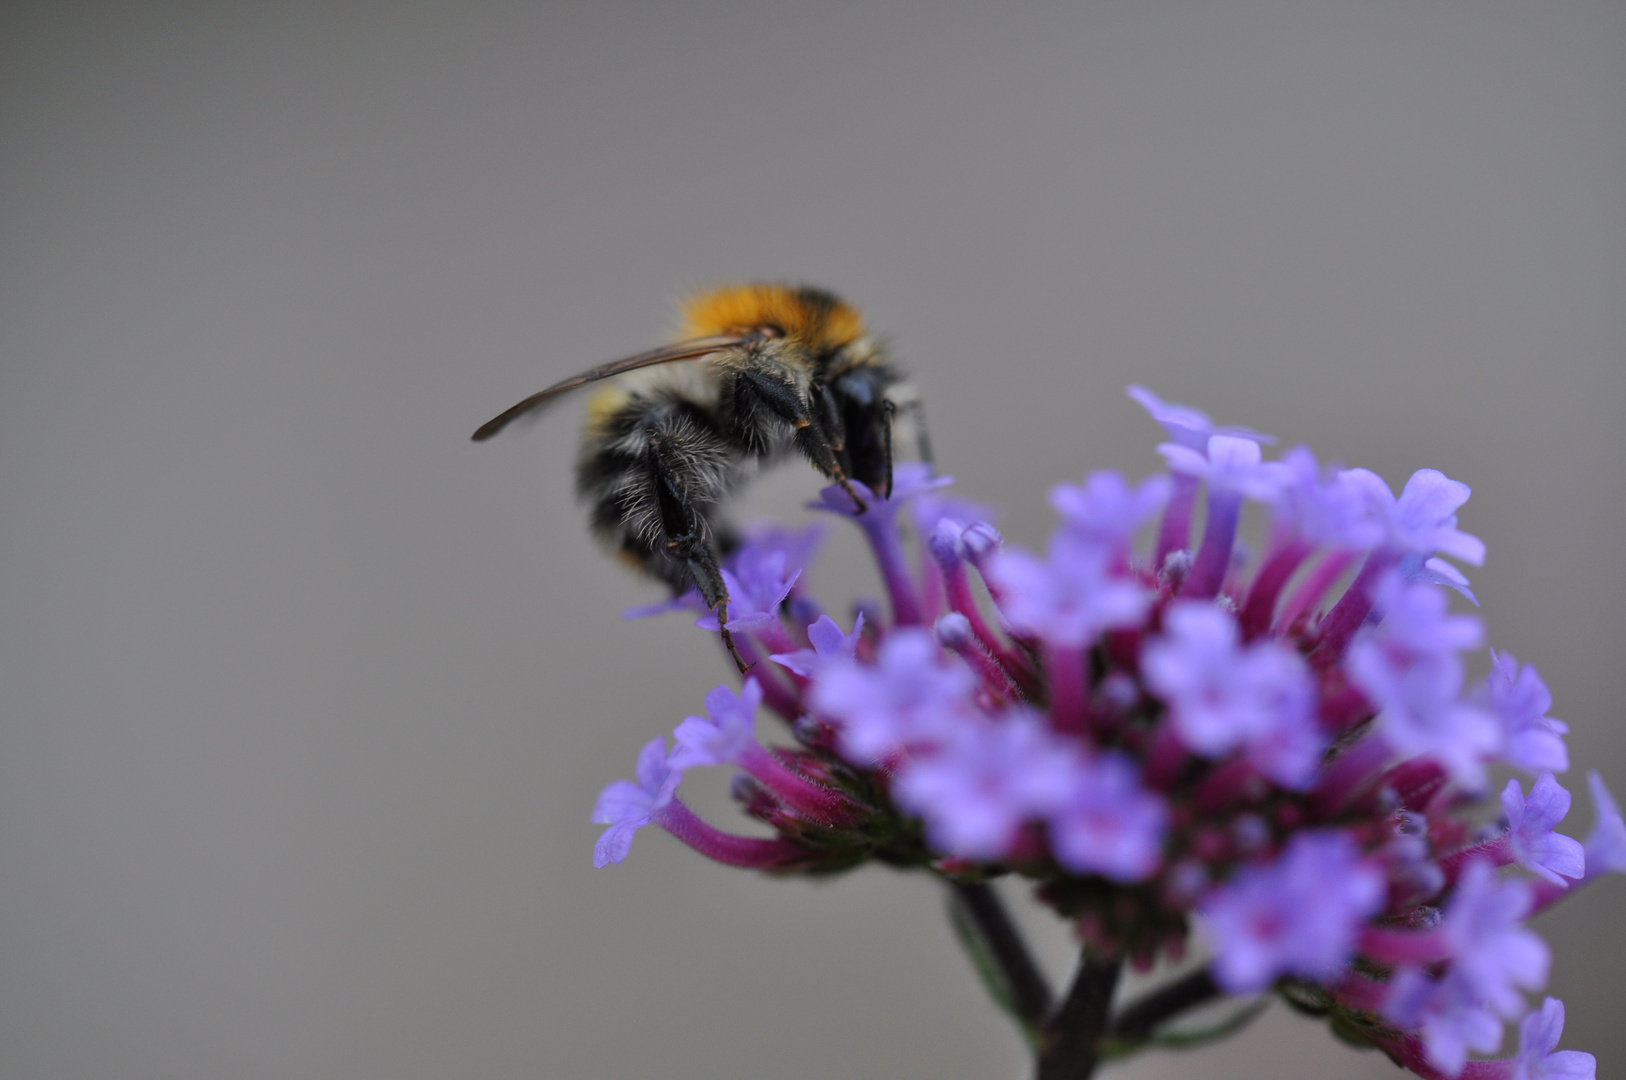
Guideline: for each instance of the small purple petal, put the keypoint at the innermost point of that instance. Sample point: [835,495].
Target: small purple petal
[1518,699]
[1299,915]
[1324,509]
[1449,1016]
[1223,696]
[1531,822]
[1425,520]
[1185,425]
[1491,948]
[627,807]
[757,585]
[1538,1038]
[721,739]
[1231,466]
[829,644]
[977,790]
[908,697]
[1606,844]
[1067,599]
[1105,511]
[1440,572]
[1408,666]
[1110,824]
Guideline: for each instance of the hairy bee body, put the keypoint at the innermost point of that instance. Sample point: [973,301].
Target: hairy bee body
[761,373]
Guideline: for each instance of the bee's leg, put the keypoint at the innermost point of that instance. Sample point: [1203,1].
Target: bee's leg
[827,416]
[687,541]
[812,437]
[708,578]
[888,411]
[825,437]
[923,442]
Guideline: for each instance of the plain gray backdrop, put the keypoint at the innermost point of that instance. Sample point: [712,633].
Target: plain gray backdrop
[305,699]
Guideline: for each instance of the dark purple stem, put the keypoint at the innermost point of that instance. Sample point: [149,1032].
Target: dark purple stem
[746,852]
[1278,568]
[1064,668]
[808,798]
[1353,607]
[882,532]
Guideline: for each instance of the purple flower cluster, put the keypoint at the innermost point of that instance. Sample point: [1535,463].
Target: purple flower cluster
[1283,756]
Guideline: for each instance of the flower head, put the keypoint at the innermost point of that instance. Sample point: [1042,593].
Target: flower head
[1172,736]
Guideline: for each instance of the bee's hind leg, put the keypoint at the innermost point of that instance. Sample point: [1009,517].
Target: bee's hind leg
[688,542]
[702,562]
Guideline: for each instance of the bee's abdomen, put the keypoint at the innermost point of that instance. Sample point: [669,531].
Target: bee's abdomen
[654,466]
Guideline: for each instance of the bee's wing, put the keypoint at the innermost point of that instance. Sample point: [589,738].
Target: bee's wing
[666,354]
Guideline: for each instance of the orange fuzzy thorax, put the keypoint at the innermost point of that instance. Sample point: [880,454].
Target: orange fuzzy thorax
[811,316]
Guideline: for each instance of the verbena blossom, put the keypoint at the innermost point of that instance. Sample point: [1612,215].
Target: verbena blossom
[1277,760]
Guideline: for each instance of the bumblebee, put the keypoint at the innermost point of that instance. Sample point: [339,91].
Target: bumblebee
[759,373]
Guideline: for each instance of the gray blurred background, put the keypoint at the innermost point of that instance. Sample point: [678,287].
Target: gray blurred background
[306,699]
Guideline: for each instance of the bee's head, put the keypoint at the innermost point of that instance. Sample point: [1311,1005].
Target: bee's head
[820,321]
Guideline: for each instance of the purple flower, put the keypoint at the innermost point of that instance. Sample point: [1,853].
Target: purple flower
[909,479]
[908,697]
[1537,1060]
[1110,824]
[1229,463]
[1105,512]
[1408,666]
[1451,1018]
[627,807]
[1067,599]
[1518,698]
[1423,521]
[1185,425]
[720,740]
[976,790]
[1324,509]
[1530,830]
[930,509]
[829,645]
[1438,572]
[758,583]
[1491,948]
[1222,696]
[1297,916]
[1605,845]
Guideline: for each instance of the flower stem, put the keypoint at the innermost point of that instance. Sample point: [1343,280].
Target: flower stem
[1139,1019]
[1071,1047]
[1029,993]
